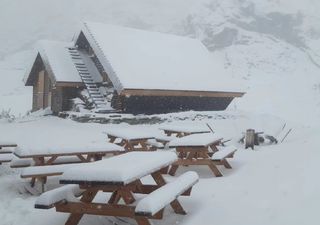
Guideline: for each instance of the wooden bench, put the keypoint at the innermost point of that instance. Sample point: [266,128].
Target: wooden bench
[25,162]
[150,207]
[154,145]
[41,173]
[224,152]
[7,145]
[157,200]
[5,157]
[59,195]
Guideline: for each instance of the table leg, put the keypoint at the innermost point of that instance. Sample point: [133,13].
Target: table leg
[142,221]
[226,164]
[115,198]
[87,197]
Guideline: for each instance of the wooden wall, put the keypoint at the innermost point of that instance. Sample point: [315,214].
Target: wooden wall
[41,91]
[46,95]
[166,104]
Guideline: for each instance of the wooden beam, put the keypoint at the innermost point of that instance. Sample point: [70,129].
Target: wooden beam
[179,93]
[69,84]
[96,209]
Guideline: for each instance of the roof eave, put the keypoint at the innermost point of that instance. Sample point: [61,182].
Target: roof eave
[180,93]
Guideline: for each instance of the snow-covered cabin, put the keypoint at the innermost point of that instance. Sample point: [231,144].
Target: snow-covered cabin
[148,72]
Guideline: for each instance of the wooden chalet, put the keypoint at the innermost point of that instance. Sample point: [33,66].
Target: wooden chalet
[149,72]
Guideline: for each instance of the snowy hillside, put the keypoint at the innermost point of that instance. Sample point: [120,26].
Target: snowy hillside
[271,45]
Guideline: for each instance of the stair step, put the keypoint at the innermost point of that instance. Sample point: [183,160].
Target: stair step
[97,99]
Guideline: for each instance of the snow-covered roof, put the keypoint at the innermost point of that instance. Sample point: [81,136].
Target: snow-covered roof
[137,59]
[58,62]
[56,55]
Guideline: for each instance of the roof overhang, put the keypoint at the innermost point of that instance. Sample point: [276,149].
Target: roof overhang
[180,93]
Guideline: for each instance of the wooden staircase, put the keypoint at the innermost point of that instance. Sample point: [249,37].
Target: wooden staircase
[96,96]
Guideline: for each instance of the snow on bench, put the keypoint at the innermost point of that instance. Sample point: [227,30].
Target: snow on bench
[5,158]
[119,169]
[163,196]
[26,162]
[26,152]
[48,199]
[193,140]
[44,171]
[18,163]
[223,152]
[155,144]
[7,144]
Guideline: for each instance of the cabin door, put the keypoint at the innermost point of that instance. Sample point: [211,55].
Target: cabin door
[44,91]
[40,90]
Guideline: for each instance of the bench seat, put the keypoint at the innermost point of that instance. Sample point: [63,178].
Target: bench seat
[48,199]
[155,144]
[45,171]
[20,163]
[224,152]
[7,145]
[163,196]
[5,157]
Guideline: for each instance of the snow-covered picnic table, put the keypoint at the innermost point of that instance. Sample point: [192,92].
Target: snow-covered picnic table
[130,139]
[183,130]
[50,155]
[121,175]
[199,149]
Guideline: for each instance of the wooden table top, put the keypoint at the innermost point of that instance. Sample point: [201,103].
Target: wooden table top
[119,170]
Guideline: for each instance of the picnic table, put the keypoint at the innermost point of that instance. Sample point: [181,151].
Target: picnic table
[200,149]
[130,139]
[121,175]
[50,155]
[181,131]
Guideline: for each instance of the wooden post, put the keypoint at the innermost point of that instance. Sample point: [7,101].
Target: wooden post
[250,139]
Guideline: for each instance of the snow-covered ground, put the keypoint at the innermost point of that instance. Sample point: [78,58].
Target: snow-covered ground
[273,185]
[270,46]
